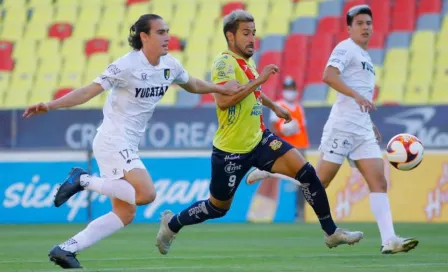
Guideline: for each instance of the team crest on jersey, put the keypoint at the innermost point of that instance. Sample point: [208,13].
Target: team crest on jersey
[166,73]
[144,76]
[275,144]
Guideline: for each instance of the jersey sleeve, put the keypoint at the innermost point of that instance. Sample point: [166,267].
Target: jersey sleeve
[223,69]
[180,75]
[340,57]
[115,75]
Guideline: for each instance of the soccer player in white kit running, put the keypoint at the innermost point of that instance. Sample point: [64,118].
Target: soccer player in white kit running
[138,81]
[349,132]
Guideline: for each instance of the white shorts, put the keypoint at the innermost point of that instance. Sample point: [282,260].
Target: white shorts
[113,158]
[336,145]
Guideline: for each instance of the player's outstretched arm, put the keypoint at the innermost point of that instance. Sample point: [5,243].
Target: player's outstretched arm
[198,86]
[332,78]
[225,102]
[73,98]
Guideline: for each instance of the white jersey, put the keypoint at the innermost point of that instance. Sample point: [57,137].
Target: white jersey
[358,73]
[136,88]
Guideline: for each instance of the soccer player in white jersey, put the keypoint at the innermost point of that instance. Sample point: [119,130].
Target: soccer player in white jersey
[349,132]
[138,80]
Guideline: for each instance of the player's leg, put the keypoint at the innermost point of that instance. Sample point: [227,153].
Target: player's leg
[277,156]
[326,170]
[368,159]
[226,177]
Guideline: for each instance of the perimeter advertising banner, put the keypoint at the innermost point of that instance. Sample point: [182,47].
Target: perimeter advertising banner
[419,195]
[27,190]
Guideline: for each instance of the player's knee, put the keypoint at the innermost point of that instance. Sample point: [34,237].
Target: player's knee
[378,185]
[126,213]
[146,197]
[214,211]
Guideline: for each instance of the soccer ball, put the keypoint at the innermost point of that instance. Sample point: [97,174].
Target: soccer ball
[404,151]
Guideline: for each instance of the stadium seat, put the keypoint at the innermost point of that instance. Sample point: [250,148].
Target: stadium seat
[271,87]
[306,9]
[378,75]
[90,13]
[186,99]
[108,29]
[36,31]
[66,14]
[61,92]
[73,3]
[175,44]
[329,25]
[118,48]
[15,15]
[398,40]
[348,5]
[295,58]
[72,47]
[429,22]
[12,32]
[5,49]
[113,11]
[445,7]
[133,12]
[6,64]
[377,40]
[48,47]
[169,98]
[24,48]
[132,2]
[40,3]
[416,94]
[423,41]
[394,74]
[438,94]
[260,12]
[229,7]
[96,45]
[342,36]
[4,84]
[330,9]
[429,6]
[315,94]
[14,3]
[60,31]
[42,14]
[441,64]
[377,56]
[272,43]
[403,15]
[83,31]
[382,7]
[391,93]
[331,96]
[72,72]
[304,25]
[96,65]
[320,50]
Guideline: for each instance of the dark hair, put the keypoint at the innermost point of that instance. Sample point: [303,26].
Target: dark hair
[232,20]
[143,24]
[356,10]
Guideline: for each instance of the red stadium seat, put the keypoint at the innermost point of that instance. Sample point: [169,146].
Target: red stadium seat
[5,49]
[270,88]
[175,44]
[96,45]
[341,36]
[321,47]
[377,40]
[61,92]
[295,57]
[383,8]
[130,2]
[229,7]
[207,99]
[329,25]
[429,6]
[60,31]
[6,64]
[257,44]
[403,15]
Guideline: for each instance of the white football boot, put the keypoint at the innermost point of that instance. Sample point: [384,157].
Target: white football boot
[342,236]
[165,236]
[256,175]
[398,244]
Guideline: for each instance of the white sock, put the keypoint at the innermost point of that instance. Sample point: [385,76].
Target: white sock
[115,188]
[379,203]
[97,229]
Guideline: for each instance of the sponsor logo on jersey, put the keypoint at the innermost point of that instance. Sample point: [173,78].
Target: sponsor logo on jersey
[367,66]
[150,92]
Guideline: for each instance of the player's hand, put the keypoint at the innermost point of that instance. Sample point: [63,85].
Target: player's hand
[283,113]
[232,87]
[268,70]
[364,104]
[36,109]
[378,136]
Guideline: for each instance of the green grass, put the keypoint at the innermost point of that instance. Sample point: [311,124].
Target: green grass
[231,247]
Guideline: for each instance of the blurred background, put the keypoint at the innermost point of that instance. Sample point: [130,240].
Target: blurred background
[50,47]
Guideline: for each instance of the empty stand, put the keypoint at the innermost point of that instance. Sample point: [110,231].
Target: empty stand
[403,15]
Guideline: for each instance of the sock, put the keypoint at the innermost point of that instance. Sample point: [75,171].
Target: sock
[379,203]
[314,193]
[97,229]
[195,214]
[115,188]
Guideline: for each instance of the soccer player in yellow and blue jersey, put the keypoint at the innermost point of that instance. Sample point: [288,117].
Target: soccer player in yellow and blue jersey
[242,142]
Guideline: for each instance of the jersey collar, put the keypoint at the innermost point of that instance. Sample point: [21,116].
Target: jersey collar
[144,60]
[235,55]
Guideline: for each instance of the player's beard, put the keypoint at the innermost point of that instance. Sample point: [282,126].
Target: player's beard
[243,51]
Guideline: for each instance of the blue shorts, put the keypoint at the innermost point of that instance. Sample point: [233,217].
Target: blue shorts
[228,169]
